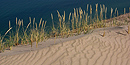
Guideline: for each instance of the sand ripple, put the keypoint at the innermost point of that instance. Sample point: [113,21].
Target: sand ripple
[92,49]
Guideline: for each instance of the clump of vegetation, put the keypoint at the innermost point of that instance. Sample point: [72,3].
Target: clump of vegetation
[78,22]
[2,42]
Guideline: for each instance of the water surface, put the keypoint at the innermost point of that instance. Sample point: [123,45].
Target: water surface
[23,9]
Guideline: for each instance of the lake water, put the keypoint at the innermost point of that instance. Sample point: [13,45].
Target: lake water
[23,9]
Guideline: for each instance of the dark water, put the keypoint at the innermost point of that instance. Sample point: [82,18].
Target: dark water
[23,9]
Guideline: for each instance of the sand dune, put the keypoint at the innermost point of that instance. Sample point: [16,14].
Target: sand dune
[90,49]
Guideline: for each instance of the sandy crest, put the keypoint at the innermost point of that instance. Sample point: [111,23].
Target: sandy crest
[90,49]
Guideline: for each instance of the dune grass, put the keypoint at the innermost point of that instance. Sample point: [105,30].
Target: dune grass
[80,21]
[2,43]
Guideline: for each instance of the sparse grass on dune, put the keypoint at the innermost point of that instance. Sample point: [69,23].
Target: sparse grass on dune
[2,42]
[80,21]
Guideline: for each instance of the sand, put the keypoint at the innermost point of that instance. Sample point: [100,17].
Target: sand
[85,49]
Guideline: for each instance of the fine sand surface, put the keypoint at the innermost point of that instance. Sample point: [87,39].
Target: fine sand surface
[89,49]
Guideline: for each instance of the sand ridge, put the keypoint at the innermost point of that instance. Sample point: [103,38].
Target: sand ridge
[91,49]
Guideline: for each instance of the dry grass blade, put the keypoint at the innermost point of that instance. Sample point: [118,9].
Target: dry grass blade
[124,10]
[103,34]
[69,16]
[8,31]
[96,7]
[111,12]
[33,23]
[9,24]
[115,11]
[104,8]
[90,9]
[16,20]
[128,29]
[43,23]
[40,22]
[27,26]
[87,7]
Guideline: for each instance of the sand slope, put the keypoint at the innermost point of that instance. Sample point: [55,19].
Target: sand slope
[92,49]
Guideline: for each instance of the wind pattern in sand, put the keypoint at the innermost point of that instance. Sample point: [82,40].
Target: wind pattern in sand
[92,49]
